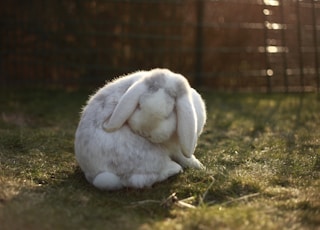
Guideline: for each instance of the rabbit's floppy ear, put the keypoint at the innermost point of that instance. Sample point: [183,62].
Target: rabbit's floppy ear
[200,109]
[125,107]
[186,124]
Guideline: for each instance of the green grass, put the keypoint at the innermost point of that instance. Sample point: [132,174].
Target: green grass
[262,154]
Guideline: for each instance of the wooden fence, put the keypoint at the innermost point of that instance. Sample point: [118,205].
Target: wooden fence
[256,45]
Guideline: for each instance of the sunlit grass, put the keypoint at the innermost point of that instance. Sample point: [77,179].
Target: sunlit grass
[262,154]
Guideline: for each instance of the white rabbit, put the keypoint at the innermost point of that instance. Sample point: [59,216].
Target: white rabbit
[139,129]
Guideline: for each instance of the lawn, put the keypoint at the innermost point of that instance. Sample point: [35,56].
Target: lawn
[262,153]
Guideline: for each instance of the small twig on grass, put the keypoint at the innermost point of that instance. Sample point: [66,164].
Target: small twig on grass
[182,204]
[142,202]
[173,200]
[237,199]
[169,202]
[201,201]
[185,203]
[191,198]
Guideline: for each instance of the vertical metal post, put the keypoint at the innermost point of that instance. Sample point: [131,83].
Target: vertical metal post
[284,45]
[199,42]
[315,39]
[301,64]
[266,53]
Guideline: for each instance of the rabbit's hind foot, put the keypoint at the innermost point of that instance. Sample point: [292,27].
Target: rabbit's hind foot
[107,181]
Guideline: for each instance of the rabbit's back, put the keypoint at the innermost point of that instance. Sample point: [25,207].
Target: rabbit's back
[121,152]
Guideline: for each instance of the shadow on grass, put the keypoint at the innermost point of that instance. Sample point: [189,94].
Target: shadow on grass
[66,201]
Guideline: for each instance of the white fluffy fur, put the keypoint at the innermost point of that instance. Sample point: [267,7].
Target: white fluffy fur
[139,129]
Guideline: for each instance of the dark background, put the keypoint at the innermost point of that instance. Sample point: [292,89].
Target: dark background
[226,45]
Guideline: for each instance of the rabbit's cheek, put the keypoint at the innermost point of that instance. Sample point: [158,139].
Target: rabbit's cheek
[164,130]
